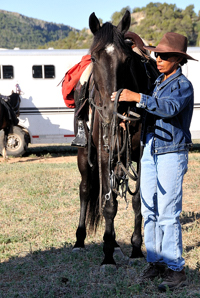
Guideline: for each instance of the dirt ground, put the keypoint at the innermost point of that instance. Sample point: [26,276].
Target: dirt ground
[191,188]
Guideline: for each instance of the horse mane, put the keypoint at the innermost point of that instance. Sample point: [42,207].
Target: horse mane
[109,34]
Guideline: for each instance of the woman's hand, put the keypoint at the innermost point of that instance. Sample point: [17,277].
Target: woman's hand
[127,95]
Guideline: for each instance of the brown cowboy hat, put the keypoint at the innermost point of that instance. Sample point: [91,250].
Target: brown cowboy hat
[172,43]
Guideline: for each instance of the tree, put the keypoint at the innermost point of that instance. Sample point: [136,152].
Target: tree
[198,40]
[189,11]
[117,16]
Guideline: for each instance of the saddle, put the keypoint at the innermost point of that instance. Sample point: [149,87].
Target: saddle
[71,79]
[137,44]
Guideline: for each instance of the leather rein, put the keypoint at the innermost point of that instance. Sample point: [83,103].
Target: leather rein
[111,127]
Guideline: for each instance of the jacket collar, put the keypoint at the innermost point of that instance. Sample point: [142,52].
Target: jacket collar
[161,84]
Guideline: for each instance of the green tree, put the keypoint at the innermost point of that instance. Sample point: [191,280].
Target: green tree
[117,16]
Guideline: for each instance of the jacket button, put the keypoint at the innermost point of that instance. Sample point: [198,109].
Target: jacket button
[156,151]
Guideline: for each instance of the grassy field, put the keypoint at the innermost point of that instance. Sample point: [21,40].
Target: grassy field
[39,211]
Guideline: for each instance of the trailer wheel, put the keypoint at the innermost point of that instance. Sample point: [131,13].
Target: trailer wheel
[17,142]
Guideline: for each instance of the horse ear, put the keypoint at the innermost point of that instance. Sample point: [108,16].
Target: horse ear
[94,23]
[124,24]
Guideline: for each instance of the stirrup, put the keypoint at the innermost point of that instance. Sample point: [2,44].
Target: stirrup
[80,139]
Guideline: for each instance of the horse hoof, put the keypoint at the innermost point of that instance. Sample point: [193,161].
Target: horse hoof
[108,267]
[77,249]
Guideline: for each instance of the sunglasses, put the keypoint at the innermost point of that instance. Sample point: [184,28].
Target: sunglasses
[163,56]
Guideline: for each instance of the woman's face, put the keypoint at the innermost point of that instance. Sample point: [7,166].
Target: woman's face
[167,63]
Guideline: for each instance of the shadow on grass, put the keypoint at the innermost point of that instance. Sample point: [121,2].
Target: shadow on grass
[195,148]
[189,217]
[53,151]
[67,150]
[189,220]
[62,273]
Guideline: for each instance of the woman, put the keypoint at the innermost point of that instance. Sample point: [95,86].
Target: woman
[167,140]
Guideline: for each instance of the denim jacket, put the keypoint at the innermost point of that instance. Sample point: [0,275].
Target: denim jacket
[171,104]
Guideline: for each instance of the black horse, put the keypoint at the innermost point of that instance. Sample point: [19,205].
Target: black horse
[114,137]
[9,111]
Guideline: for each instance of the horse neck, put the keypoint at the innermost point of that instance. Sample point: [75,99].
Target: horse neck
[144,72]
[137,74]
[15,102]
[4,121]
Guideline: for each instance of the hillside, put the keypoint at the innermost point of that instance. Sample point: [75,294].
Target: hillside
[161,18]
[28,33]
[150,22]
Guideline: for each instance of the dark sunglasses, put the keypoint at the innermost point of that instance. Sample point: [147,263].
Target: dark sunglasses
[163,56]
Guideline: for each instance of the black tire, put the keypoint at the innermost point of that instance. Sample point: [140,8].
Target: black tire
[17,142]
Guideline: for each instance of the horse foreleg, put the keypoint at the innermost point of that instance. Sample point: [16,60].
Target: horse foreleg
[89,187]
[5,138]
[81,230]
[136,238]
[4,153]
[109,213]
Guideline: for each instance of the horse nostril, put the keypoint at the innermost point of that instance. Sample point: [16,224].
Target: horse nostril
[104,107]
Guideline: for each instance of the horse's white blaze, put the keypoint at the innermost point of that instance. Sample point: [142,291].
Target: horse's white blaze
[110,49]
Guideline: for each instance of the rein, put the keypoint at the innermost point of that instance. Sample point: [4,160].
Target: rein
[128,170]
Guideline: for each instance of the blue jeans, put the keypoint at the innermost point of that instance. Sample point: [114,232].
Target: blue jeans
[161,198]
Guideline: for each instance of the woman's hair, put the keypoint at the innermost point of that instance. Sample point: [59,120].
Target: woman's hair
[183,61]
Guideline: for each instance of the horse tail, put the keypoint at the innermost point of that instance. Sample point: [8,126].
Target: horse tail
[93,216]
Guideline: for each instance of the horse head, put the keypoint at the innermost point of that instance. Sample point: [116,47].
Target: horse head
[111,57]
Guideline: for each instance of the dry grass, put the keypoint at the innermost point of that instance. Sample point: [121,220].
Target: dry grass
[39,212]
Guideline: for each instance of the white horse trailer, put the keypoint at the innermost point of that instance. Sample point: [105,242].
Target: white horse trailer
[43,115]
[191,71]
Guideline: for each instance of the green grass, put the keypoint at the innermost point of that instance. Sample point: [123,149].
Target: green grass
[39,212]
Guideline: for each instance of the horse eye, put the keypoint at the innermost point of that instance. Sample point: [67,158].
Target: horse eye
[93,59]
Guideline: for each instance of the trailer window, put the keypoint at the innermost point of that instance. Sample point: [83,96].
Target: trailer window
[43,71]
[49,71]
[8,72]
[37,71]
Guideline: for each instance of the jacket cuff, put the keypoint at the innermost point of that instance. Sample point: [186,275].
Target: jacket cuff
[143,101]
